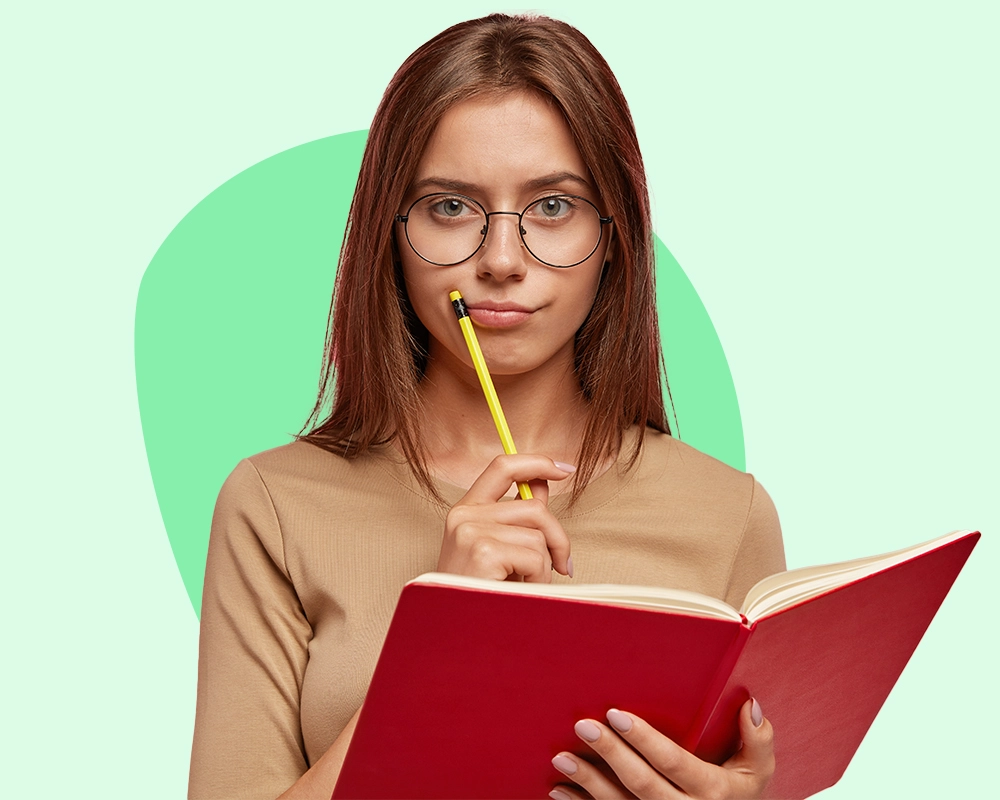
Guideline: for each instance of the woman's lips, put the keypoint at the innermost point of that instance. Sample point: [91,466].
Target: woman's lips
[499,316]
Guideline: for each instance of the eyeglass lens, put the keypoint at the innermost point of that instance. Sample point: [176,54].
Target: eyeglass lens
[559,230]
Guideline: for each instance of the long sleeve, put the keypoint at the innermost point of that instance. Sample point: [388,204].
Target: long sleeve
[253,653]
[760,552]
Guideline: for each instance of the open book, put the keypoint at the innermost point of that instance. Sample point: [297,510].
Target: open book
[479,682]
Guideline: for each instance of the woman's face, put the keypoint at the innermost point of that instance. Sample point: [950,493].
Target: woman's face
[506,153]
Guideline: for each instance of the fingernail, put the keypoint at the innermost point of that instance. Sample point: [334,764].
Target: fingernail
[555,794]
[587,730]
[564,764]
[619,720]
[564,466]
[756,715]
[569,566]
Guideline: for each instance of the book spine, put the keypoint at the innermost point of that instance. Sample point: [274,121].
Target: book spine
[713,695]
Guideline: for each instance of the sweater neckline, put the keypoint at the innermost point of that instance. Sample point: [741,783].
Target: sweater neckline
[598,493]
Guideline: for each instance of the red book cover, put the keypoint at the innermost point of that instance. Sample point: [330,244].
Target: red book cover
[476,690]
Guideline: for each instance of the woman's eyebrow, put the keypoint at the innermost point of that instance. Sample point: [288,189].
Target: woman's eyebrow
[452,185]
[557,177]
[445,183]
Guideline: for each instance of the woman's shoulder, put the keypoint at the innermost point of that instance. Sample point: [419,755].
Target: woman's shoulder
[300,466]
[709,489]
[296,457]
[663,451]
[306,481]
[304,459]
[688,472]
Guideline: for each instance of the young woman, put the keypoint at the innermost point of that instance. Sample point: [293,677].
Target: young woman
[502,163]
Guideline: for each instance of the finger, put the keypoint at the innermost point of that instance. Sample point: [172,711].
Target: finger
[564,792]
[527,561]
[540,490]
[640,777]
[523,513]
[588,776]
[502,471]
[518,553]
[468,522]
[689,773]
[535,514]
[755,761]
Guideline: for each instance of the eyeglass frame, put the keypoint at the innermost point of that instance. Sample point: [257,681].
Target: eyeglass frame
[403,218]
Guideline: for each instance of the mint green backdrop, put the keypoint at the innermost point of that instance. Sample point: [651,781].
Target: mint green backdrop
[825,174]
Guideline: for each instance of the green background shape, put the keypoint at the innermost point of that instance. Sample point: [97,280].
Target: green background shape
[230,323]
[825,172]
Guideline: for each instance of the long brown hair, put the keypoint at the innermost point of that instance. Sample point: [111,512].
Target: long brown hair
[376,347]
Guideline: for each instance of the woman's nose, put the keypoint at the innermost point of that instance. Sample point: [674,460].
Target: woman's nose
[504,254]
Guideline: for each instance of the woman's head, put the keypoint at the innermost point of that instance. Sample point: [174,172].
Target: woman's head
[377,344]
[501,187]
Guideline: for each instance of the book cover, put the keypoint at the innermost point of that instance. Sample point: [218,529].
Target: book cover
[475,690]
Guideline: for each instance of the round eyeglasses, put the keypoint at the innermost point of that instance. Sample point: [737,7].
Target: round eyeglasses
[560,230]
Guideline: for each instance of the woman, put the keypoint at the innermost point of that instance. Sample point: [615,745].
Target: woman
[502,163]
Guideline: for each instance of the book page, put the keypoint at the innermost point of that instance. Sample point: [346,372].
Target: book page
[787,589]
[654,597]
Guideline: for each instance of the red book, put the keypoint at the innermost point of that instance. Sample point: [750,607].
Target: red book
[479,682]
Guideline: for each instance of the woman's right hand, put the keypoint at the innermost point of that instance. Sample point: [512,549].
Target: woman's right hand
[485,537]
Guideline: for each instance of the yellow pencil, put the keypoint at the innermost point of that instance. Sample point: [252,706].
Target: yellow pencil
[486,382]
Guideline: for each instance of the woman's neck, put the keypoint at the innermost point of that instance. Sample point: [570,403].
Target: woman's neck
[545,409]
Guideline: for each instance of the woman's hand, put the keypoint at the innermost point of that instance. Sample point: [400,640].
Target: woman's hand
[644,763]
[486,538]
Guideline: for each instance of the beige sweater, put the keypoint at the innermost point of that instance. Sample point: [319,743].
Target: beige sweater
[309,552]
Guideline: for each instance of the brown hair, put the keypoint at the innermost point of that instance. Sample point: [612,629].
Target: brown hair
[376,347]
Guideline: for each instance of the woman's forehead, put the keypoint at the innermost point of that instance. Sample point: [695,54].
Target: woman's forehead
[514,143]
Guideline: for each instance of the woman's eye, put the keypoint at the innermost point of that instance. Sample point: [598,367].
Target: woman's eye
[553,207]
[451,207]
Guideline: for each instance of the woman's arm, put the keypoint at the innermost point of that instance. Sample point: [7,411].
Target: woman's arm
[252,655]
[319,781]
[646,764]
[760,551]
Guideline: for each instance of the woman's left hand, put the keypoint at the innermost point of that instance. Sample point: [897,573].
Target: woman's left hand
[644,763]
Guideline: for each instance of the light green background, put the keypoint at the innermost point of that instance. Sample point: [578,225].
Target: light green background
[827,177]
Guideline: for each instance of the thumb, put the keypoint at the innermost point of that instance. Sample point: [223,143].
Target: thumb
[757,755]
